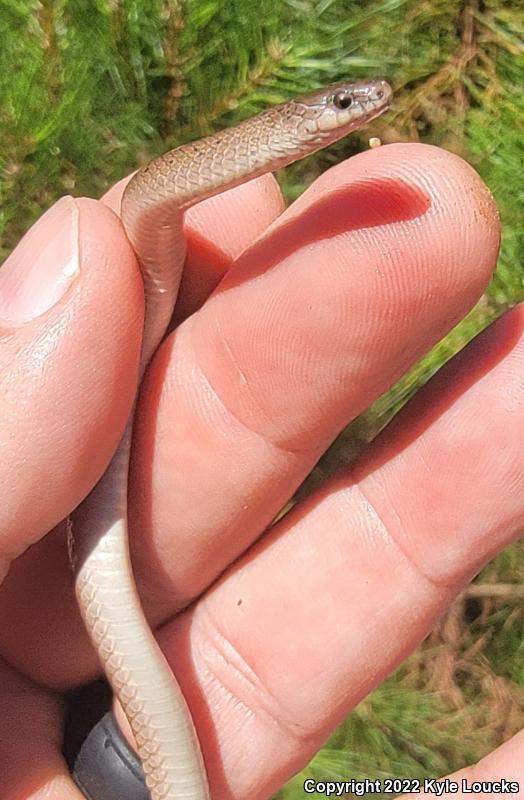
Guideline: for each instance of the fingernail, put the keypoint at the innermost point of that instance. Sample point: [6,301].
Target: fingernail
[42,267]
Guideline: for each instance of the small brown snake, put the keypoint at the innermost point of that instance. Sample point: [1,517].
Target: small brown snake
[152,212]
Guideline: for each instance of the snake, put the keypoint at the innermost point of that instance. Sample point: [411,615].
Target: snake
[152,210]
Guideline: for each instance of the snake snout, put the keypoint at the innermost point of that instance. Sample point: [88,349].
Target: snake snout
[378,93]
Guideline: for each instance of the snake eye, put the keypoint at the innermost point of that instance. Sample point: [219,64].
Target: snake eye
[342,99]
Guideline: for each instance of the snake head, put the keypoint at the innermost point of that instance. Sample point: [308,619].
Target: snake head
[342,107]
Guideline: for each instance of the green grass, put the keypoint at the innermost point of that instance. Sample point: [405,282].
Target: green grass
[90,88]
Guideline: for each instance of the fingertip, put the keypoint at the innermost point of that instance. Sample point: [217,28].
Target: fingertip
[42,267]
[459,224]
[463,209]
[113,197]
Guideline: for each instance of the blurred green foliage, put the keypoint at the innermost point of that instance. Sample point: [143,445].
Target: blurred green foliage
[90,88]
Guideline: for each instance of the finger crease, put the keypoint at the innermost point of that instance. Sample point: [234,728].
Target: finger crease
[295,452]
[242,685]
[436,584]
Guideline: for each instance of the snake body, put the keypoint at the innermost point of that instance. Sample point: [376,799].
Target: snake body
[152,212]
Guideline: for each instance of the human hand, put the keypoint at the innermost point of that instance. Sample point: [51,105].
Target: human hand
[336,299]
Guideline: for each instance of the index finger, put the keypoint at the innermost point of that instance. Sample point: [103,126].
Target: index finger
[354,282]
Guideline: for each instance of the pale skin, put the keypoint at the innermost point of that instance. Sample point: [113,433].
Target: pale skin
[345,290]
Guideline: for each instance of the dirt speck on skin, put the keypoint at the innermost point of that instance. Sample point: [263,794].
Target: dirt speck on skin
[485,208]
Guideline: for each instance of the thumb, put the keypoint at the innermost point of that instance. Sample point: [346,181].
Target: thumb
[70,327]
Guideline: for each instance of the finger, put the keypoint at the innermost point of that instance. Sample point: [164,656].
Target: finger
[321,610]
[217,231]
[70,330]
[70,318]
[347,289]
[31,764]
